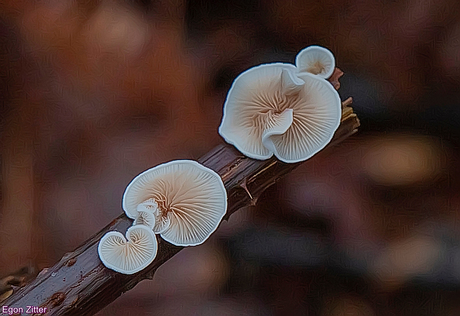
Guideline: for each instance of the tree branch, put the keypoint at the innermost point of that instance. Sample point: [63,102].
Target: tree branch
[79,284]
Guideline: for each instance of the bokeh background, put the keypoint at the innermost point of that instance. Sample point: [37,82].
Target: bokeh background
[94,92]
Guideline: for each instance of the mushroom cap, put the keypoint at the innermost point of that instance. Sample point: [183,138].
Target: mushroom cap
[149,214]
[146,214]
[191,199]
[273,109]
[145,218]
[254,96]
[131,254]
[316,60]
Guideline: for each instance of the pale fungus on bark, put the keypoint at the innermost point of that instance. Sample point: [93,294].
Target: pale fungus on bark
[316,60]
[181,200]
[131,254]
[187,200]
[275,109]
[145,216]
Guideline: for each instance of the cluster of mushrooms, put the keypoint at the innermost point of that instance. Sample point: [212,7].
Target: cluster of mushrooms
[290,111]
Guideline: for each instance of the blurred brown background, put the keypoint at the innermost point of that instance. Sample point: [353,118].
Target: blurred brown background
[94,92]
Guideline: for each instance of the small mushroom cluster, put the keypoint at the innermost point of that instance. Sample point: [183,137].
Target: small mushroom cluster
[181,200]
[290,111]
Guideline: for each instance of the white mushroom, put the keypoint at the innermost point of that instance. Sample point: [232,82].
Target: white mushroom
[131,254]
[316,60]
[145,216]
[191,200]
[274,109]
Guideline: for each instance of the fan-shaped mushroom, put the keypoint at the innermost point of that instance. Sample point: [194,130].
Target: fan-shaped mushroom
[131,254]
[191,200]
[316,60]
[274,109]
[145,214]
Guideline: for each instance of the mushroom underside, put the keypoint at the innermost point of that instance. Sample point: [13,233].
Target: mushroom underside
[288,114]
